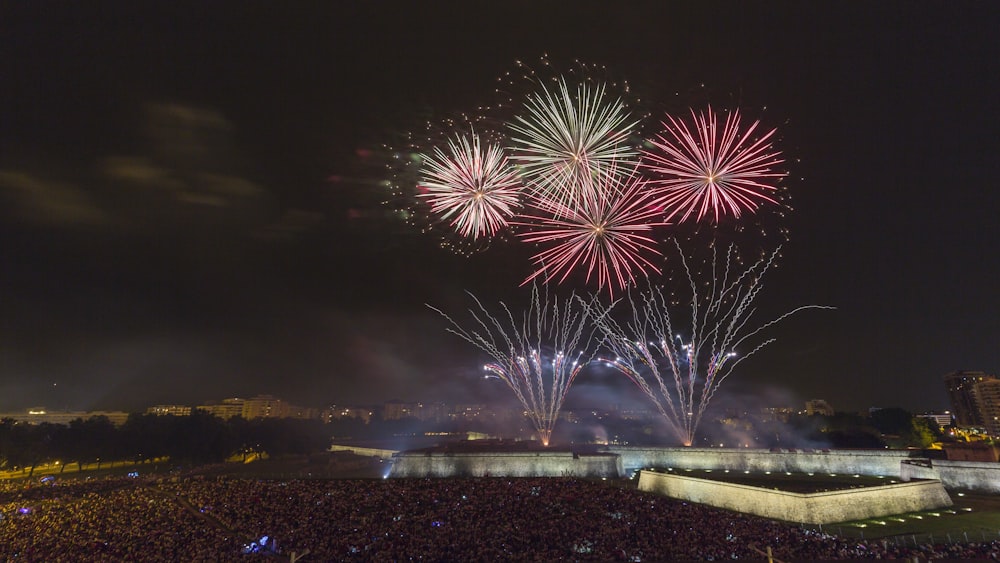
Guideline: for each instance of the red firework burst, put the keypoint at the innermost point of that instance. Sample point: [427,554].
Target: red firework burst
[604,233]
[707,169]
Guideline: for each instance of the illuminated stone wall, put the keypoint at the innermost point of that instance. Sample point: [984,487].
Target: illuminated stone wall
[863,462]
[366,452]
[505,464]
[978,476]
[815,508]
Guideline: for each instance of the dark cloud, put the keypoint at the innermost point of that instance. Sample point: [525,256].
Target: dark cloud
[31,199]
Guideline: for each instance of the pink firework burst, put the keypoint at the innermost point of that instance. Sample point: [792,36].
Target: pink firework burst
[711,169]
[604,232]
[471,186]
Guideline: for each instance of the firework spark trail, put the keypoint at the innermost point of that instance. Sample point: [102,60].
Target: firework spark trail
[605,232]
[650,354]
[518,346]
[707,171]
[566,136]
[470,185]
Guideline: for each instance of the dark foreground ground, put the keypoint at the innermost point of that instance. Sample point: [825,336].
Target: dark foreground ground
[213,514]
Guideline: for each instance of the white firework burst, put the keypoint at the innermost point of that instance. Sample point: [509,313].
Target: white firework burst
[567,136]
[471,186]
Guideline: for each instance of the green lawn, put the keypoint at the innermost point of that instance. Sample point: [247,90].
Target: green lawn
[803,483]
[976,516]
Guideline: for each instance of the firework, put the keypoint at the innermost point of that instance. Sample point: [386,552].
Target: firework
[713,170]
[681,374]
[538,355]
[470,186]
[438,137]
[567,135]
[603,231]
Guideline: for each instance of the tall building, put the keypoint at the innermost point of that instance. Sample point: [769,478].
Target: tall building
[961,390]
[987,395]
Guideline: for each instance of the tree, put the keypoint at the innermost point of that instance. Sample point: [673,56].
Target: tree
[95,438]
[145,436]
[31,445]
[6,443]
[924,432]
[200,438]
[892,421]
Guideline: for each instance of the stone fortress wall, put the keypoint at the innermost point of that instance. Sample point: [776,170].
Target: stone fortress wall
[505,464]
[623,461]
[429,463]
[862,462]
[814,508]
[978,476]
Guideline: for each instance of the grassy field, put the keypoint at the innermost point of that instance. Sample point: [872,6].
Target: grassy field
[974,517]
[791,482]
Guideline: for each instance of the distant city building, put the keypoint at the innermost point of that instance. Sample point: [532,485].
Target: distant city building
[436,411]
[336,413]
[961,390]
[302,413]
[942,419]
[396,410]
[636,414]
[225,410]
[261,406]
[776,414]
[175,410]
[265,406]
[40,415]
[468,411]
[819,406]
[569,416]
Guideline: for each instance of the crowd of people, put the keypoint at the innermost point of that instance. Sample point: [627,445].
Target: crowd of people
[525,519]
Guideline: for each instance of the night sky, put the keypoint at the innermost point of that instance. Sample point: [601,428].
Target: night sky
[189,208]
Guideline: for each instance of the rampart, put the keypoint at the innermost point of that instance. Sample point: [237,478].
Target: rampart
[367,452]
[430,463]
[862,462]
[814,508]
[978,476]
[620,461]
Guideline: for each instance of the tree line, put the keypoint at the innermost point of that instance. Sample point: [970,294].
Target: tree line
[205,438]
[197,438]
